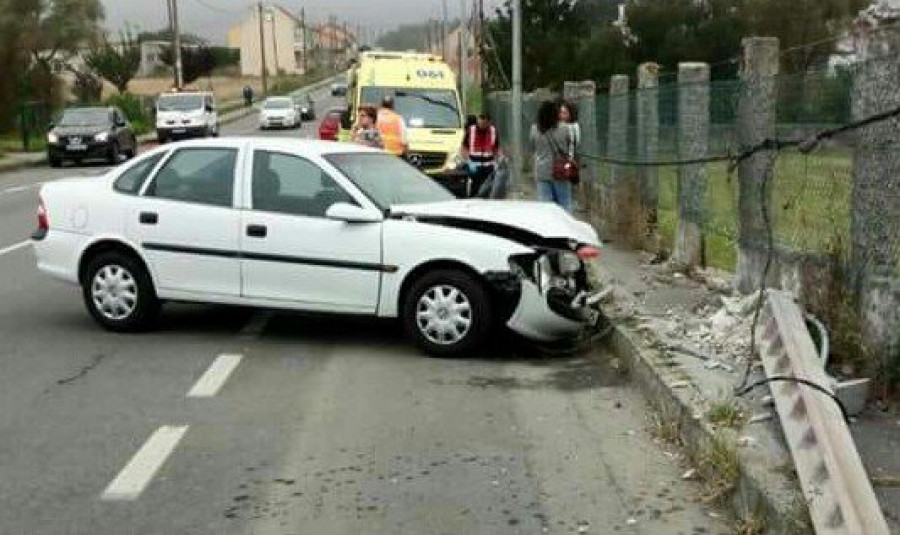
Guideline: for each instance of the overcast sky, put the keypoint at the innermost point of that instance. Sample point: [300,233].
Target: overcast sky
[212,18]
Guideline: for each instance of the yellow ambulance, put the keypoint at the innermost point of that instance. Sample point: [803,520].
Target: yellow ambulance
[425,94]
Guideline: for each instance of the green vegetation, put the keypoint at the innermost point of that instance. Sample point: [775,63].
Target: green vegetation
[566,40]
[811,208]
[137,111]
[719,468]
[726,414]
[117,64]
[13,143]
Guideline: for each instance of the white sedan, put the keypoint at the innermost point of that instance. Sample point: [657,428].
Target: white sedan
[279,112]
[315,226]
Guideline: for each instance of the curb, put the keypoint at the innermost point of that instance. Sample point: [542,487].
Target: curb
[761,491]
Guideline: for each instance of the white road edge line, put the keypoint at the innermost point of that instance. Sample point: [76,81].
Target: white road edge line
[15,247]
[137,474]
[212,381]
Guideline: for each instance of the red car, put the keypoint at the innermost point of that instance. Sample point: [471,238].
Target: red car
[331,124]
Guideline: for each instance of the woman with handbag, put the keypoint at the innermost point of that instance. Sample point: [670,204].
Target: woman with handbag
[554,168]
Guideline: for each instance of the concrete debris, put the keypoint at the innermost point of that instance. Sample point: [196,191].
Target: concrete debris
[762,417]
[631,521]
[746,441]
[715,364]
[690,474]
[680,384]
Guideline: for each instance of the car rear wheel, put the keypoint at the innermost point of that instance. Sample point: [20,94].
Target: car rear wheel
[118,292]
[447,313]
[55,162]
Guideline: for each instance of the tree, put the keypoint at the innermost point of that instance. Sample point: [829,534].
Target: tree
[808,29]
[88,87]
[195,62]
[52,27]
[116,63]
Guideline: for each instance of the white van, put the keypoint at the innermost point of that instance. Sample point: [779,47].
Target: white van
[181,115]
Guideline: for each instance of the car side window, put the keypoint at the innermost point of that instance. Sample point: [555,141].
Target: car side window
[292,185]
[197,175]
[132,179]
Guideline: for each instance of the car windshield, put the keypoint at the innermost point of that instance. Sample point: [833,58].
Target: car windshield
[84,117]
[179,102]
[420,108]
[388,180]
[278,104]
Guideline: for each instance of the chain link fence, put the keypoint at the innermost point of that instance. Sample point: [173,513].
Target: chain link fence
[786,180]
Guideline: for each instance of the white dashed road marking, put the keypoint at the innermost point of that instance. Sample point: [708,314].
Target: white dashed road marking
[16,247]
[138,473]
[211,382]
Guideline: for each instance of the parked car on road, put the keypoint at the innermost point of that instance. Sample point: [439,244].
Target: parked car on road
[330,127]
[339,88]
[90,133]
[186,114]
[314,226]
[305,107]
[279,112]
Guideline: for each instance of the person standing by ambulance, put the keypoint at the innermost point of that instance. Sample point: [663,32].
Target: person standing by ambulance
[481,146]
[392,128]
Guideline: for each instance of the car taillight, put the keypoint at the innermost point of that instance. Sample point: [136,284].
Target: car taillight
[43,218]
[588,252]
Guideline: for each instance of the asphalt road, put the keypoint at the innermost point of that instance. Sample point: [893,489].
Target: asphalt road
[238,421]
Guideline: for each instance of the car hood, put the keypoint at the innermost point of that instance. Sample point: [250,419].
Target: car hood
[277,113]
[521,221]
[87,131]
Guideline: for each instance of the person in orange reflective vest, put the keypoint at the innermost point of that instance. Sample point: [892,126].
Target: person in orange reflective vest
[481,146]
[392,128]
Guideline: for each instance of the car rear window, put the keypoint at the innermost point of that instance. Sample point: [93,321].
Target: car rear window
[132,179]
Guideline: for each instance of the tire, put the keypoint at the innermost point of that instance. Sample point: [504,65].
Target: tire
[131,300]
[440,335]
[162,139]
[55,162]
[113,157]
[132,152]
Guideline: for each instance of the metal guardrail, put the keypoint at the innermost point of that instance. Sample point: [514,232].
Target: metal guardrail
[833,479]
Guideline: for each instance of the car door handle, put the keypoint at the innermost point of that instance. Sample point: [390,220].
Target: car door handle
[257,231]
[149,218]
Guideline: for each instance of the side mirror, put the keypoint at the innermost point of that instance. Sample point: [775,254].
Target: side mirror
[349,213]
[210,109]
[121,123]
[51,125]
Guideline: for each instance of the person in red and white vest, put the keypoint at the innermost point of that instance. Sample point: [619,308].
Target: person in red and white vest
[481,147]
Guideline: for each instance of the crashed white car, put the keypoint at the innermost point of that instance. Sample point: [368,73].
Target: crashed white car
[315,226]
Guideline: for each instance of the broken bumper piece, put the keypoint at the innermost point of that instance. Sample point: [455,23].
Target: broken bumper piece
[553,315]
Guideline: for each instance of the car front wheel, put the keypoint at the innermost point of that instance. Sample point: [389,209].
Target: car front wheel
[118,292]
[447,313]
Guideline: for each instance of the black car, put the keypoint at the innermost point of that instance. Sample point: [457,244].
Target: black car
[90,133]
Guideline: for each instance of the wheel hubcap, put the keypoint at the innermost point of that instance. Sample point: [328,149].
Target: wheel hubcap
[444,315]
[114,292]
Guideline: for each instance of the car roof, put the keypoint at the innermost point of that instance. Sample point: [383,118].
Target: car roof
[306,147]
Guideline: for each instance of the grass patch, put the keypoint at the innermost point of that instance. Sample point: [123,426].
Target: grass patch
[13,143]
[664,427]
[726,414]
[719,469]
[810,204]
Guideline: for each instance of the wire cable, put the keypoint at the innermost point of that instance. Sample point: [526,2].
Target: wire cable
[786,379]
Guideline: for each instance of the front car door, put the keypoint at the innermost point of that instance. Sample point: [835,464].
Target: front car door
[292,253]
[187,225]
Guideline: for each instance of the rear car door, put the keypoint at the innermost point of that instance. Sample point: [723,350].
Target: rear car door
[187,225]
[293,253]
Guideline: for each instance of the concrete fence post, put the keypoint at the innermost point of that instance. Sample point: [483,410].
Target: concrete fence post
[693,142]
[875,195]
[647,151]
[618,191]
[756,123]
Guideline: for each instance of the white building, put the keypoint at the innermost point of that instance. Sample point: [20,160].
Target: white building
[281,32]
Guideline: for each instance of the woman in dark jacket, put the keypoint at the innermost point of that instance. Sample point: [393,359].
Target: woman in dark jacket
[548,141]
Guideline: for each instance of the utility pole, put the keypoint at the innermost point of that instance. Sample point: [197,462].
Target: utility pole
[517,86]
[303,33]
[271,13]
[463,53]
[172,6]
[262,50]
[444,29]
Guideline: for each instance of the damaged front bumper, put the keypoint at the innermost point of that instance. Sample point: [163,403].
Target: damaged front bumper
[553,304]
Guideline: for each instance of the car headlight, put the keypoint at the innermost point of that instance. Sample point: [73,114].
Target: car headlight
[52,137]
[569,262]
[101,137]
